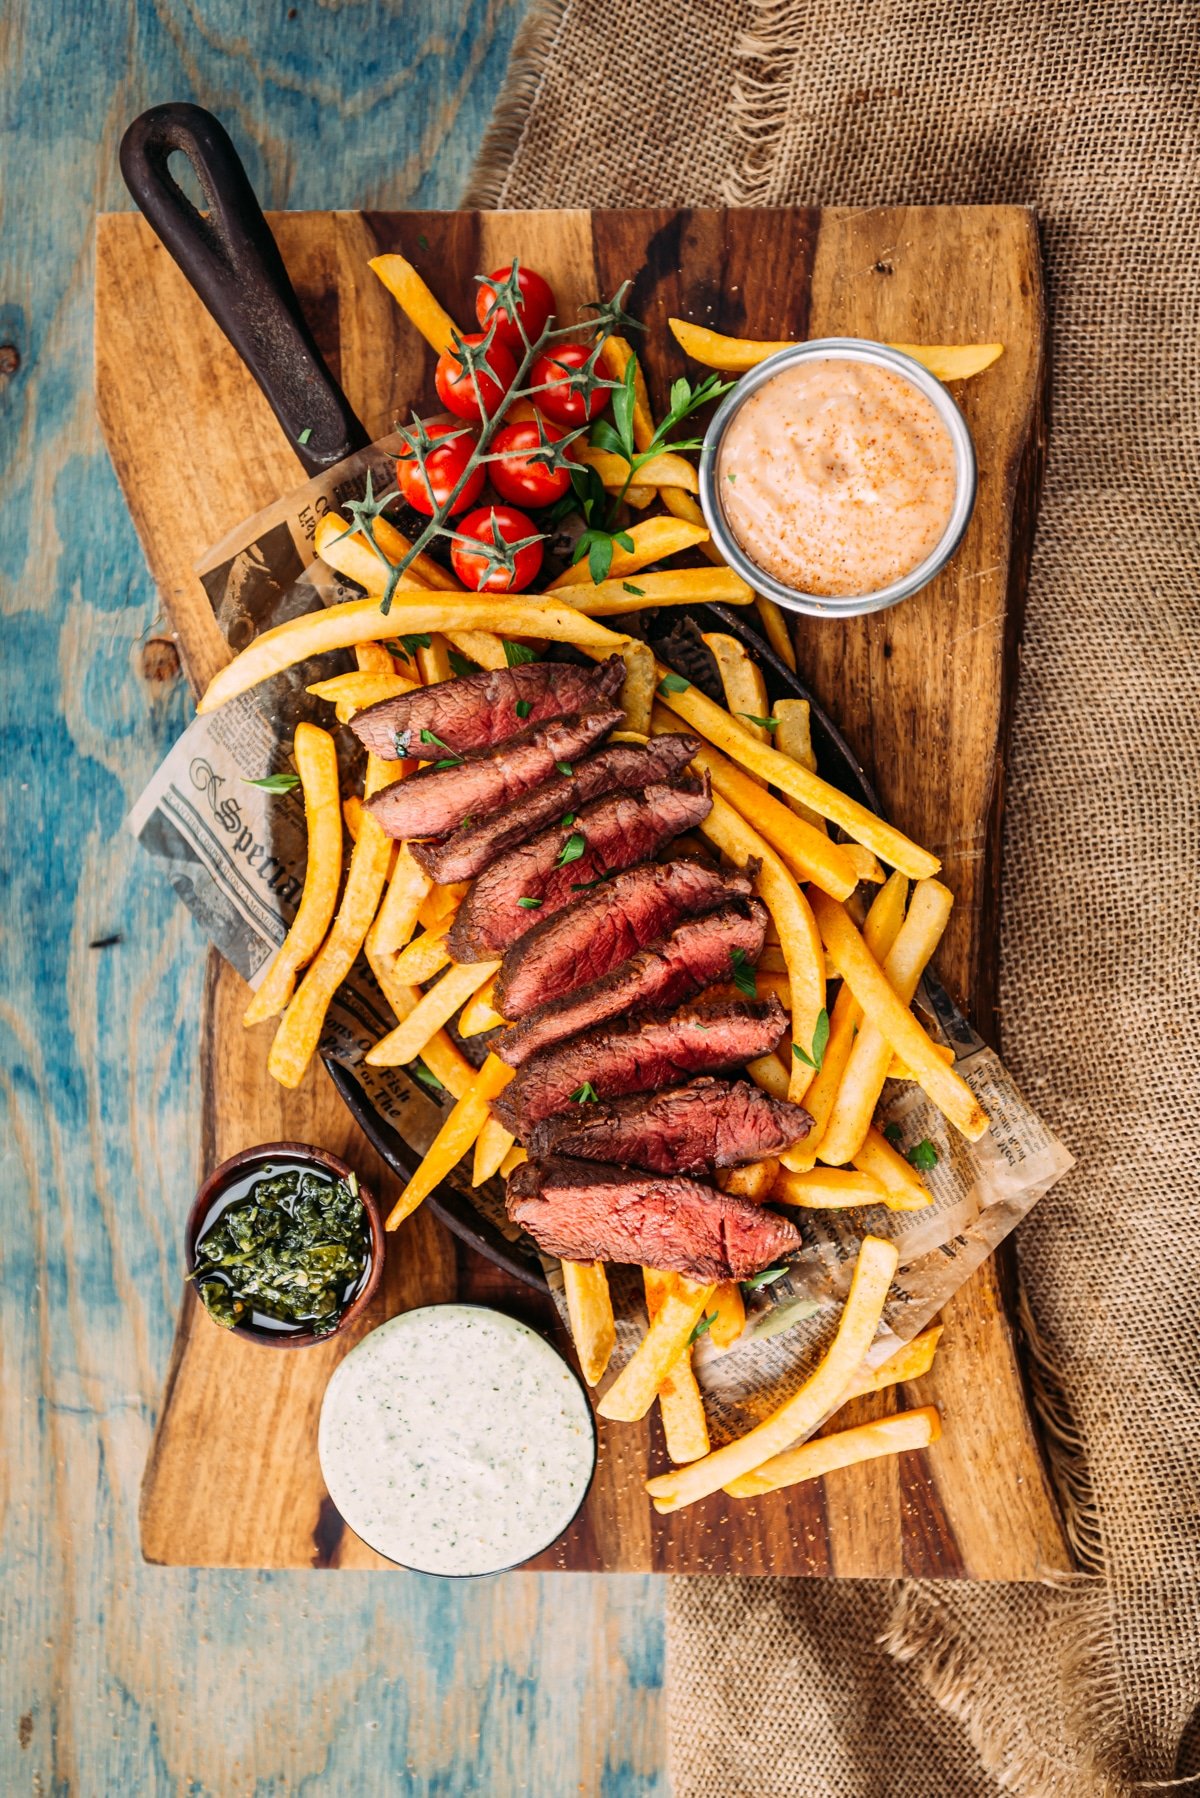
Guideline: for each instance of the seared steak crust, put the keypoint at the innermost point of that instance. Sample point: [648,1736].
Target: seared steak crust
[586,1212]
[479,710]
[435,800]
[605,927]
[700,952]
[705,1124]
[609,835]
[627,766]
[641,1055]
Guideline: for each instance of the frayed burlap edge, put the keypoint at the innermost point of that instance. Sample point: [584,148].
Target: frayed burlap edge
[531,54]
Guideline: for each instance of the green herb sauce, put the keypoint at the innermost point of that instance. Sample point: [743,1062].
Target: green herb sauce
[284,1248]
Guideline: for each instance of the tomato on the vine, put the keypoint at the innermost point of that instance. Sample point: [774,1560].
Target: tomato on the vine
[456,383]
[426,490]
[517,476]
[560,399]
[536,308]
[496,525]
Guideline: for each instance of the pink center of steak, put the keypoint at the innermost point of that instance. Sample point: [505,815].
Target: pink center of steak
[705,1124]
[584,1212]
[640,1055]
[700,952]
[627,766]
[605,927]
[436,800]
[555,867]
[480,710]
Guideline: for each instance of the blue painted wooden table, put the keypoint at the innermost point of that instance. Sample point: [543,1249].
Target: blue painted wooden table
[118,1677]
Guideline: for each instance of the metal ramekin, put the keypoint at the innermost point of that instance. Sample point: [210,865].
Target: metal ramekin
[839,349]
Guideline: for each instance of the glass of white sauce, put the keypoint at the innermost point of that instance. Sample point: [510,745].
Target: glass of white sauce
[456,1440]
[838,477]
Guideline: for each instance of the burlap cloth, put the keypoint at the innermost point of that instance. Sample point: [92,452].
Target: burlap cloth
[1088,113]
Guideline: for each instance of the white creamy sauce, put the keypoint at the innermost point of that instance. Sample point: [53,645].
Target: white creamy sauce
[454,1439]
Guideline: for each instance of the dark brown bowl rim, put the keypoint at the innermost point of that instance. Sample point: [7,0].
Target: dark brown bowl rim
[210,1190]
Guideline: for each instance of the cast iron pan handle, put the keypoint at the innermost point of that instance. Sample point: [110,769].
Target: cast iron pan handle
[233,262]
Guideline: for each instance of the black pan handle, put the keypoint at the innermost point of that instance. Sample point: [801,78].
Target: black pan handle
[233,262]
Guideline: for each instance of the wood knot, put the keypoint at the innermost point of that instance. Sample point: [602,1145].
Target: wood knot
[10,358]
[160,660]
[884,268]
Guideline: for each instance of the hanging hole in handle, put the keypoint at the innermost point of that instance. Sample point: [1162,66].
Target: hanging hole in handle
[181,171]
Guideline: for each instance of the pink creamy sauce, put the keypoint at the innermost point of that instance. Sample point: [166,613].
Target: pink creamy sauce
[837,477]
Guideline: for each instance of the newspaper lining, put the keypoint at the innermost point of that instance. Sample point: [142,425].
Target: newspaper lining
[236,856]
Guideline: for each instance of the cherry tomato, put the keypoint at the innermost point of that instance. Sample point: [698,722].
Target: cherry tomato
[496,524]
[518,477]
[535,310]
[425,492]
[456,384]
[560,401]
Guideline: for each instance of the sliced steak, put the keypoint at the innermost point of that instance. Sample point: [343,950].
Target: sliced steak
[605,927]
[586,1212]
[601,839]
[641,1055]
[481,710]
[700,952]
[625,766]
[705,1124]
[435,800]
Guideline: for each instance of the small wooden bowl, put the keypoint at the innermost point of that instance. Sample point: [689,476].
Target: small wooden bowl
[224,1175]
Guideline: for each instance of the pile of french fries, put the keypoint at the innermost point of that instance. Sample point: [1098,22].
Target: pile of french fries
[772,812]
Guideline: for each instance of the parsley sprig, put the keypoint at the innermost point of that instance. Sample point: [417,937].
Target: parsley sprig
[820,1041]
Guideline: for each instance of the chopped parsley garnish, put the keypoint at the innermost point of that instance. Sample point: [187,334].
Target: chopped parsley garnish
[703,1327]
[585,886]
[567,819]
[628,587]
[585,1094]
[673,683]
[517,653]
[564,768]
[451,760]
[923,1156]
[528,904]
[743,973]
[427,1077]
[766,1278]
[572,849]
[819,1041]
[894,1134]
[765,723]
[462,665]
[405,647]
[305,434]
[523,708]
[276,783]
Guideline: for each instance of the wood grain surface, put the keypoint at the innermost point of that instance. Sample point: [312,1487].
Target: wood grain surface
[922,691]
[115,1676]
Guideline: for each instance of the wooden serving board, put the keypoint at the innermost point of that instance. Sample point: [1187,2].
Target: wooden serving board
[923,692]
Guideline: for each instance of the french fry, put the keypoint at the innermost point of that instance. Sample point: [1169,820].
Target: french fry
[637,690]
[734,355]
[766,1071]
[743,684]
[665,587]
[423,958]
[437,1007]
[866,865]
[906,1365]
[615,355]
[316,762]
[665,470]
[793,737]
[866,980]
[653,540]
[353,813]
[434,662]
[726,734]
[880,930]
[730,1320]
[479,646]
[633,1391]
[775,629]
[807,852]
[871,1053]
[354,557]
[903,1187]
[455,1137]
[638,497]
[845,1448]
[679,1402]
[479,1013]
[516,1155]
[590,1315]
[373,658]
[793,919]
[361,621]
[900,1070]
[799,1415]
[444,1059]
[828,1188]
[300,1029]
[360,690]
[491,1146]
[441,904]
[397,916]
[753,1181]
[416,301]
